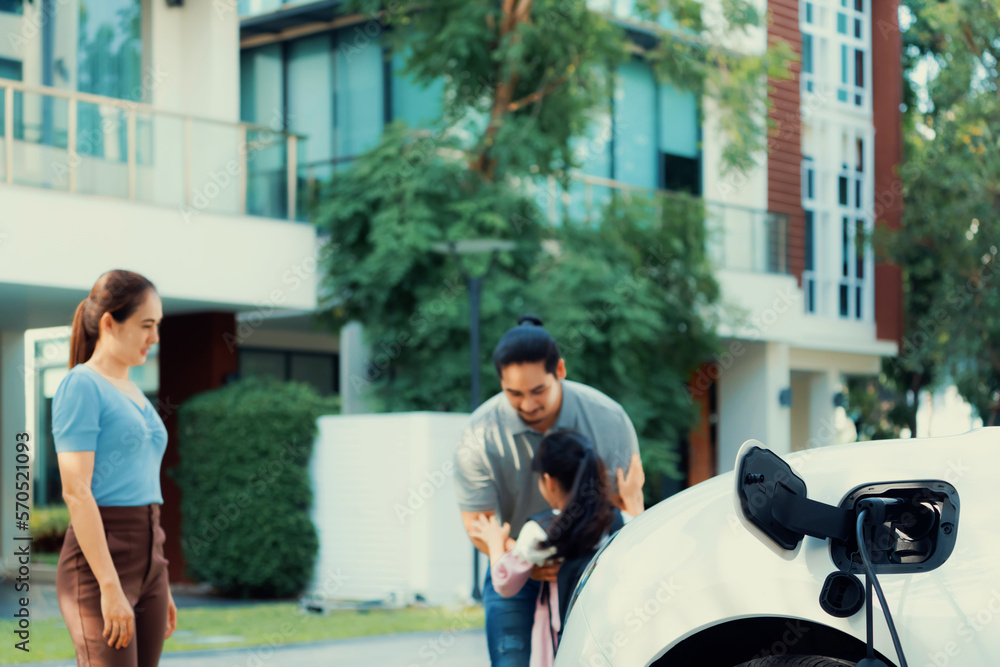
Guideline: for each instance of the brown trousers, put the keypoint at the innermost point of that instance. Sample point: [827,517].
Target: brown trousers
[135,541]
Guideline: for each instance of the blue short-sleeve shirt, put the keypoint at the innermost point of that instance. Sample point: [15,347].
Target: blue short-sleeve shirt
[89,414]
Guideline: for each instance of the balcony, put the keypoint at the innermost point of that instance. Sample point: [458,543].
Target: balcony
[92,145]
[740,238]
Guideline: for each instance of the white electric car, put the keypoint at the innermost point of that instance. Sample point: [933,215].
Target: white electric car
[762,566]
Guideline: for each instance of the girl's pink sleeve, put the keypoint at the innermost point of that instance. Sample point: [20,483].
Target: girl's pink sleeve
[509,574]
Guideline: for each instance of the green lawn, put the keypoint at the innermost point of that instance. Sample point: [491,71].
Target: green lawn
[252,625]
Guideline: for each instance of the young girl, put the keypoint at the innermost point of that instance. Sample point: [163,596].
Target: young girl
[573,480]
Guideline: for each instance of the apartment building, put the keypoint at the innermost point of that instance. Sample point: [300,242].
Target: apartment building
[176,139]
[807,303]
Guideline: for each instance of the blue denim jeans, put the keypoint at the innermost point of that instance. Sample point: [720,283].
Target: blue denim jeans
[508,623]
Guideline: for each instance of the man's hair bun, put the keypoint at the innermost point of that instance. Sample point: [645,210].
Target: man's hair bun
[529,319]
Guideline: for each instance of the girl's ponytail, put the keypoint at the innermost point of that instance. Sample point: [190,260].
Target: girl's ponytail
[570,458]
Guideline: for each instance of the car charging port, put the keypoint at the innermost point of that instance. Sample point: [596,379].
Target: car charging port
[910,527]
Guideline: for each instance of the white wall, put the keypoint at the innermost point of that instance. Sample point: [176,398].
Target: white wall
[385,508]
[232,261]
[748,401]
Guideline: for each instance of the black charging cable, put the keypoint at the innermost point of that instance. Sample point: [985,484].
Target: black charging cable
[875,508]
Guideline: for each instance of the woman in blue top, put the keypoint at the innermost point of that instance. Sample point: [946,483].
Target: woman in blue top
[112,576]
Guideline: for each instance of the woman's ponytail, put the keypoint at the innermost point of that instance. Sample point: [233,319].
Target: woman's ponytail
[82,344]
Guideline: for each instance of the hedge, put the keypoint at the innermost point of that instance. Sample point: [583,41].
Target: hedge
[244,477]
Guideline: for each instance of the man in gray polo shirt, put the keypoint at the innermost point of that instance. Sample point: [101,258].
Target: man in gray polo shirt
[493,463]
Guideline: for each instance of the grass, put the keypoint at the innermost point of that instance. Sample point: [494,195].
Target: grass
[254,625]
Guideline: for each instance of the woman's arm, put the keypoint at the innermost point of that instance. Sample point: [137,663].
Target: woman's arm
[76,470]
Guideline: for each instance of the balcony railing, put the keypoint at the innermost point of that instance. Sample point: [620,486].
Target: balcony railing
[89,144]
[739,238]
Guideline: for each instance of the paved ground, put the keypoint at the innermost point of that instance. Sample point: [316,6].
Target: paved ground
[441,649]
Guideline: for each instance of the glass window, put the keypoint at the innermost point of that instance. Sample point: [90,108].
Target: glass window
[842,23]
[807,59]
[678,121]
[12,6]
[809,12]
[256,363]
[11,69]
[309,107]
[635,142]
[359,93]
[845,247]
[419,106]
[859,244]
[843,191]
[318,370]
[843,301]
[809,241]
[109,49]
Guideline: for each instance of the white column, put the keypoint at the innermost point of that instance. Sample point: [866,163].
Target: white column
[354,359]
[749,405]
[801,402]
[195,58]
[194,61]
[12,422]
[822,426]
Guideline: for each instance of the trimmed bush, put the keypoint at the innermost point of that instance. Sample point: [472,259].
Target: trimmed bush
[48,528]
[244,476]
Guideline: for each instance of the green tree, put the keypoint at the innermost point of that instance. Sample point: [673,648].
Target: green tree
[626,287]
[951,179]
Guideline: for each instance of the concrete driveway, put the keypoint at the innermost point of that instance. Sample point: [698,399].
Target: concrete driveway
[441,649]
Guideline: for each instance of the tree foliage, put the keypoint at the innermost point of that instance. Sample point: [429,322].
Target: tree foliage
[626,288]
[951,177]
